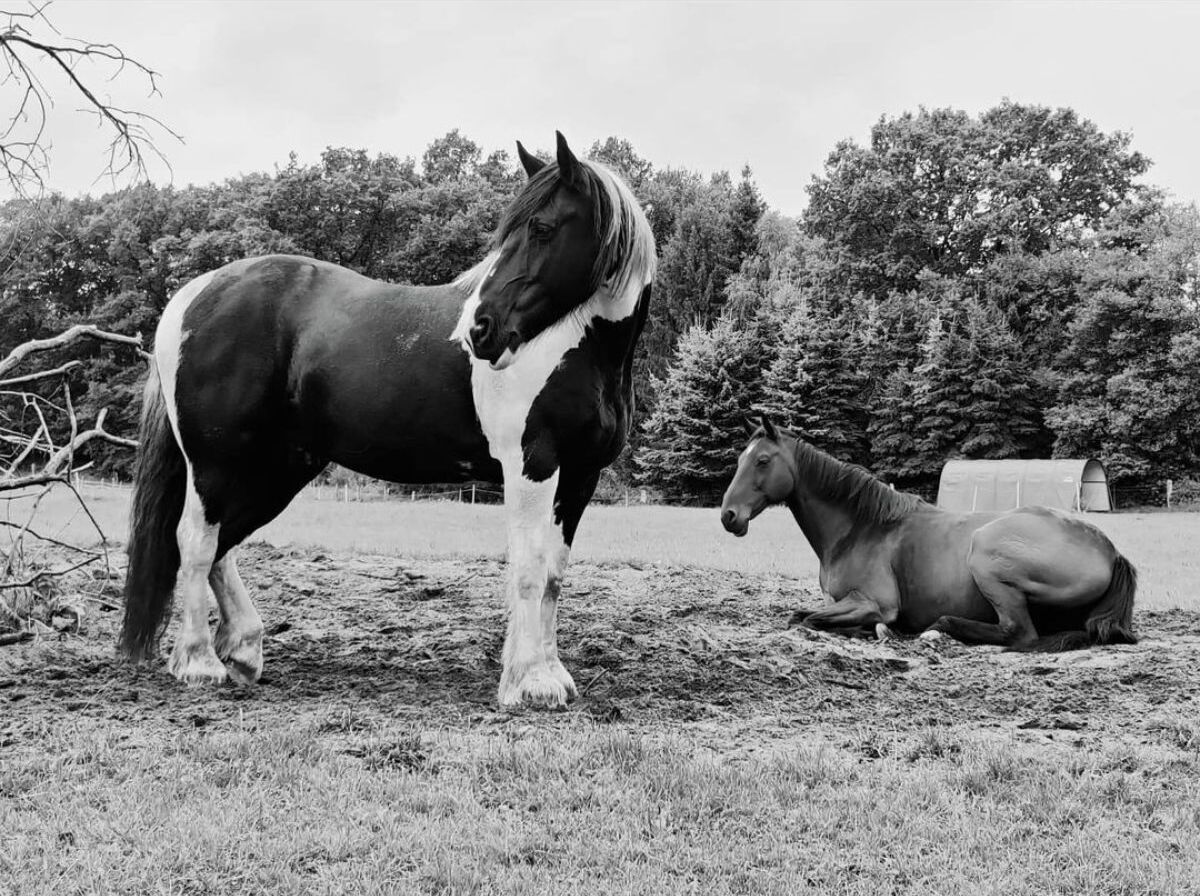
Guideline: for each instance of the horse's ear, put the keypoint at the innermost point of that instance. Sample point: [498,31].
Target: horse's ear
[772,433]
[569,168]
[750,426]
[531,163]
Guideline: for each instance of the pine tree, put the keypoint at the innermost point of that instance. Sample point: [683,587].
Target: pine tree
[693,437]
[816,383]
[973,390]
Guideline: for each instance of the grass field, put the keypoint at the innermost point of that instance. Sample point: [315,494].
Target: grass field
[1163,546]
[712,751]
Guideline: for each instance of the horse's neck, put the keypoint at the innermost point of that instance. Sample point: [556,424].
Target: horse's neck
[823,522]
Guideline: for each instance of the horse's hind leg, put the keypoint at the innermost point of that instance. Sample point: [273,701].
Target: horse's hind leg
[240,635]
[193,659]
[993,571]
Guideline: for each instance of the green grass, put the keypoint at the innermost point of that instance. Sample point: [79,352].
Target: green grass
[364,790]
[571,808]
[1161,545]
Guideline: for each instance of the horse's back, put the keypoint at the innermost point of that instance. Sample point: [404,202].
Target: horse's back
[313,357]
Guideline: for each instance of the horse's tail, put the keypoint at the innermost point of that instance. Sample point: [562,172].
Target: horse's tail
[1110,620]
[157,505]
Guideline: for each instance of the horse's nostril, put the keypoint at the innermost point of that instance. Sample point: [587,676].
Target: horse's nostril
[482,331]
[727,516]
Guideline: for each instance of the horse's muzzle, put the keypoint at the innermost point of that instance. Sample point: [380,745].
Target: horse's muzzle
[735,522]
[487,345]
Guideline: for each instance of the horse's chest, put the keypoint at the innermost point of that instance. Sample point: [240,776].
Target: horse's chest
[536,416]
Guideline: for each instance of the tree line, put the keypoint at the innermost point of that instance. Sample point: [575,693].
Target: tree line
[992,286]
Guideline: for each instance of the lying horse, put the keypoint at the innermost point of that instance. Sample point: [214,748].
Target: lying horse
[1028,579]
[269,369]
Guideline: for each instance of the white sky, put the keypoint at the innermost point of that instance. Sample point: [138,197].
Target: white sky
[704,86]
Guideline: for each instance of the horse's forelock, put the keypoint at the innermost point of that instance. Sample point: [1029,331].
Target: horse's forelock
[626,240]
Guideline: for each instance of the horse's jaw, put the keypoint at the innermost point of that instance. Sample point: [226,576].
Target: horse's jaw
[506,358]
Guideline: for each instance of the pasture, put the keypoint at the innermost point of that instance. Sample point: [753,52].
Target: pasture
[712,750]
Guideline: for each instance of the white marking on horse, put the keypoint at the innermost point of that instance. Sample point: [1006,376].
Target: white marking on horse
[168,343]
[503,398]
[194,658]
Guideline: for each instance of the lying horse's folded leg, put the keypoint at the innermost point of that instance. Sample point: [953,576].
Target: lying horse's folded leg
[992,567]
[852,614]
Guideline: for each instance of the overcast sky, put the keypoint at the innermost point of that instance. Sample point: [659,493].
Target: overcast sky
[705,86]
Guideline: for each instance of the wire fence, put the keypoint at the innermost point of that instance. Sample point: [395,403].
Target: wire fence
[1170,496]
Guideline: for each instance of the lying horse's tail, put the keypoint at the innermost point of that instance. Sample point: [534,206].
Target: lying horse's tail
[157,505]
[1110,620]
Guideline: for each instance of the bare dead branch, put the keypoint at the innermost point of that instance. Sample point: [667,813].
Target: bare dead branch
[46,574]
[23,149]
[24,529]
[64,457]
[65,338]
[11,485]
[42,375]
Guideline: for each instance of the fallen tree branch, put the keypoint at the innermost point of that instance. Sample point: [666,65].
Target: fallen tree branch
[66,337]
[25,530]
[8,485]
[46,574]
[66,454]
[45,374]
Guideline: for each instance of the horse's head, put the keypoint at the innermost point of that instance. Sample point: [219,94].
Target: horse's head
[766,475]
[573,232]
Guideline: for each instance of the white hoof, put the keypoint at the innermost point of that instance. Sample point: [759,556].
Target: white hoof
[241,652]
[536,687]
[930,635]
[196,664]
[882,632]
[563,677]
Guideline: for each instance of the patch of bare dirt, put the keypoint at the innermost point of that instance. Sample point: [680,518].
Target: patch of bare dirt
[389,638]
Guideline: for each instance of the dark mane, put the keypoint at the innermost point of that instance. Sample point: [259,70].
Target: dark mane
[869,500]
[626,243]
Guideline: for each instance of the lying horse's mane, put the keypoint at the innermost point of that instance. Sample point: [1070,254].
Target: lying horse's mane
[869,500]
[627,242]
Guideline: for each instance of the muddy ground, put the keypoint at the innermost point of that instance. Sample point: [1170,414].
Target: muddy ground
[658,648]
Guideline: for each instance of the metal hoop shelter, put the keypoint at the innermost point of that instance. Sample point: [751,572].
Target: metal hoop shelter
[970,485]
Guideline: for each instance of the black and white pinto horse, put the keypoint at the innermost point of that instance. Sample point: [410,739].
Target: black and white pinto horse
[268,369]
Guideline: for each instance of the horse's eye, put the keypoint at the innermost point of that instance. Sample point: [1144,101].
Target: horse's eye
[763,460]
[540,229]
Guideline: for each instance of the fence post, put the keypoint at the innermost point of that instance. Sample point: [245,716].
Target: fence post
[1170,491]
[472,492]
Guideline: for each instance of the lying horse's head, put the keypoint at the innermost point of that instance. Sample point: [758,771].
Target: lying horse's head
[574,232]
[766,475]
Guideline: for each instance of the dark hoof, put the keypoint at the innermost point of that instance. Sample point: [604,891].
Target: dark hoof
[799,618]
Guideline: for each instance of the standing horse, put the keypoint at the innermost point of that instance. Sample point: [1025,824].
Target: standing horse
[1032,578]
[269,369]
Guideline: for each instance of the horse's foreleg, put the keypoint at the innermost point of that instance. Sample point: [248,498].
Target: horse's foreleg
[527,676]
[574,492]
[852,613]
[240,635]
[193,659]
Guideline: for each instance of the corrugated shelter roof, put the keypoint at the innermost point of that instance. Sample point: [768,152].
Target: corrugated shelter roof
[968,485]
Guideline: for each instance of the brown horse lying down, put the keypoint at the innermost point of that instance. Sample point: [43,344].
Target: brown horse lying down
[1028,579]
